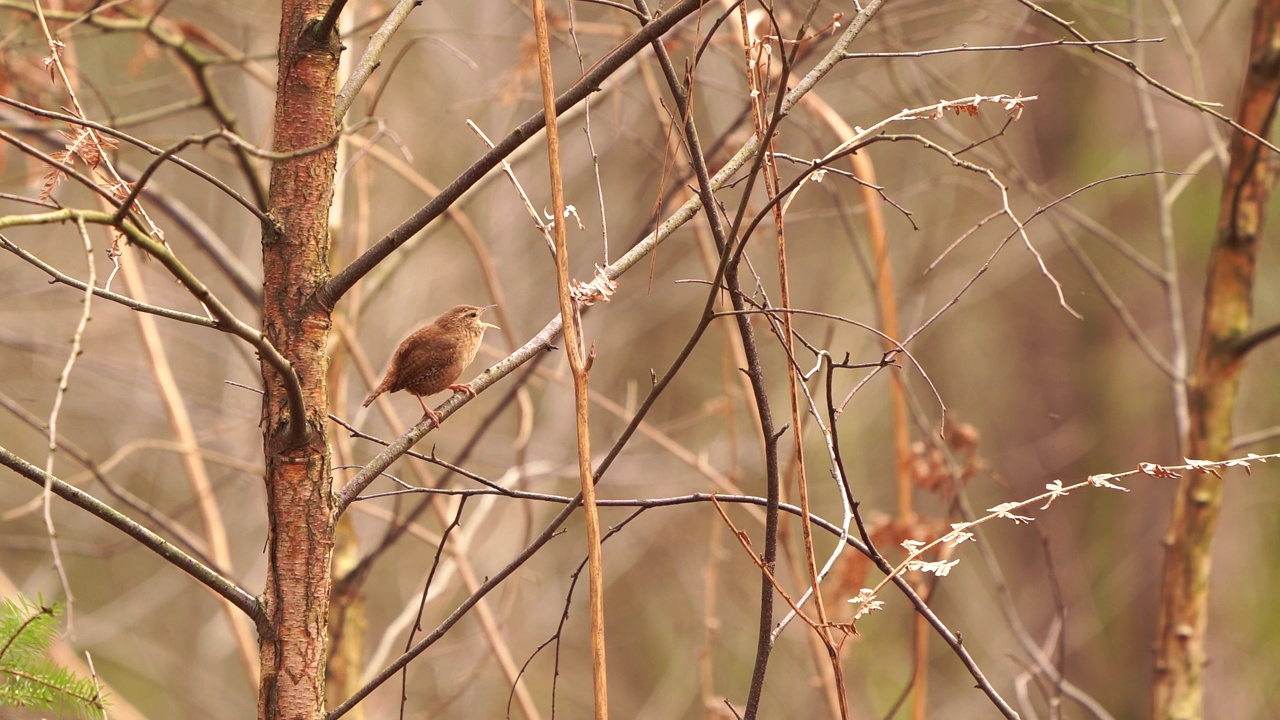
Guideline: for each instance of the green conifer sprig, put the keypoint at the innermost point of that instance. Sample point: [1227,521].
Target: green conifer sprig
[28,679]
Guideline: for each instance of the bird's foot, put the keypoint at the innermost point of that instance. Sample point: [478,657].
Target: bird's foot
[429,413]
[463,388]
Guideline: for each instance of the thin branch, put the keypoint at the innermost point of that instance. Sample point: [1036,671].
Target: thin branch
[1200,105]
[362,69]
[64,381]
[998,48]
[1171,285]
[1113,299]
[618,6]
[1252,340]
[510,172]
[1253,438]
[1217,144]
[426,589]
[586,131]
[47,204]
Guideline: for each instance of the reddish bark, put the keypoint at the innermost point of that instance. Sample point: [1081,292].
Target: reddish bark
[293,634]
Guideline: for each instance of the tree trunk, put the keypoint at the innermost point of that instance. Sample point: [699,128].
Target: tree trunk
[293,637]
[1178,692]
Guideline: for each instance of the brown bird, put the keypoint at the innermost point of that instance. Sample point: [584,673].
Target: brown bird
[429,360]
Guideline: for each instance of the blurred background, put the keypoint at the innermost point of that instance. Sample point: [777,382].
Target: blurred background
[1033,393]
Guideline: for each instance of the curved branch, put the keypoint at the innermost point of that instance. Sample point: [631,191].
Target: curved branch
[246,282]
[236,142]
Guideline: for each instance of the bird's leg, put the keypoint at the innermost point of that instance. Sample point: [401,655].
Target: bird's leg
[463,388]
[428,412]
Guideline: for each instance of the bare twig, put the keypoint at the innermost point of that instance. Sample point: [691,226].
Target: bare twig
[64,381]
[1171,285]
[999,48]
[1201,105]
[510,172]
[363,69]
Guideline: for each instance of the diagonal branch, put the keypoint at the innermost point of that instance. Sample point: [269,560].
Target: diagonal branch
[333,291]
[113,132]
[226,320]
[363,68]
[61,277]
[1252,340]
[1200,105]
[207,577]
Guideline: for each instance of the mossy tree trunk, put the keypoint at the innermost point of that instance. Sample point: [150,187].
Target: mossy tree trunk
[1178,691]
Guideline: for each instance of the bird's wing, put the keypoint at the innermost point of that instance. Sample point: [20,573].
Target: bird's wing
[426,352]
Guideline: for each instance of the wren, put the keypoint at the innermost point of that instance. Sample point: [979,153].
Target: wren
[429,360]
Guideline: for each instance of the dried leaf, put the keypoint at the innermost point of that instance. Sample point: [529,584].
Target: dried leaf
[1055,491]
[1204,466]
[1003,510]
[1104,481]
[1157,471]
[600,289]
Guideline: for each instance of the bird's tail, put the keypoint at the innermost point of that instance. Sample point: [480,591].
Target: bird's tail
[382,387]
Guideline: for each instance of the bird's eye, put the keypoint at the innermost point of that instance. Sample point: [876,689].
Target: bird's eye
[471,314]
